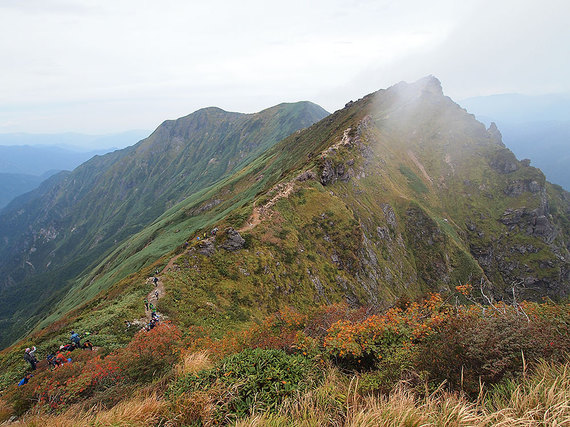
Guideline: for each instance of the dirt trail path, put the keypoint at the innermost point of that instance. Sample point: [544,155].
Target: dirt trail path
[261,212]
[170,264]
[154,295]
[253,220]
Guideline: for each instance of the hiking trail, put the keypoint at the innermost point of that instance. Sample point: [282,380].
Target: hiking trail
[261,212]
[152,296]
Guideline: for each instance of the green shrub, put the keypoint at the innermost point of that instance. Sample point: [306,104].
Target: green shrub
[255,379]
[388,371]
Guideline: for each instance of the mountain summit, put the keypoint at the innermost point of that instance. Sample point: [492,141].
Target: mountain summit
[400,193]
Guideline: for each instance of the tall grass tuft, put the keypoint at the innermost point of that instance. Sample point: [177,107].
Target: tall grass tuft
[145,411]
[138,411]
[542,398]
[193,362]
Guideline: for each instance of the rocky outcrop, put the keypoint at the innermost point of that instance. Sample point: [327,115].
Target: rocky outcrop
[534,223]
[233,241]
[390,216]
[495,134]
[207,206]
[206,248]
[306,176]
[519,186]
[332,172]
[504,162]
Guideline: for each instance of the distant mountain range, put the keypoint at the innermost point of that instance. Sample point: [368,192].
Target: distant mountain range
[533,127]
[14,184]
[76,141]
[37,159]
[27,159]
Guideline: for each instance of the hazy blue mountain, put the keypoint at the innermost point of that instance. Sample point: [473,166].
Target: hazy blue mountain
[534,127]
[12,185]
[76,141]
[37,160]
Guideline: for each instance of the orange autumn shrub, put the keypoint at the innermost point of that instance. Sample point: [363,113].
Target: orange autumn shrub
[277,331]
[150,354]
[361,344]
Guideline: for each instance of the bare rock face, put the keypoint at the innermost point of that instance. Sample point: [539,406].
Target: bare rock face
[233,240]
[534,223]
[306,176]
[332,172]
[517,187]
[328,175]
[206,248]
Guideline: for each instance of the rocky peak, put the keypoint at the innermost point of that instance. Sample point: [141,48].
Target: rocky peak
[495,134]
[431,85]
[504,161]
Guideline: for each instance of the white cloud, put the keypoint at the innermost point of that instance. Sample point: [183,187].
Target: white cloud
[97,66]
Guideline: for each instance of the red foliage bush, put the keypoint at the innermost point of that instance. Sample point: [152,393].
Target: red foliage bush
[149,354]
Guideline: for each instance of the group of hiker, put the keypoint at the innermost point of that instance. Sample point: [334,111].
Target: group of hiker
[213,232]
[148,306]
[154,318]
[57,358]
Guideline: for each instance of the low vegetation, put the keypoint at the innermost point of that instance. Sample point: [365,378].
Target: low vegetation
[419,362]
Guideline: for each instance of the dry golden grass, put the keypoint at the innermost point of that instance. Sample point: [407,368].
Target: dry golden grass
[194,362]
[542,399]
[403,408]
[138,411]
[5,411]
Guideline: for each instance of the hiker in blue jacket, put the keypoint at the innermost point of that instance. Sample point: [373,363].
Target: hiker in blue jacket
[25,379]
[75,339]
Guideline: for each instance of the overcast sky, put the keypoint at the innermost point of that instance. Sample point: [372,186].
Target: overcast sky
[99,66]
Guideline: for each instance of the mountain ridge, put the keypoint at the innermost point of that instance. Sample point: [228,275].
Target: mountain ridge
[534,127]
[418,238]
[399,193]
